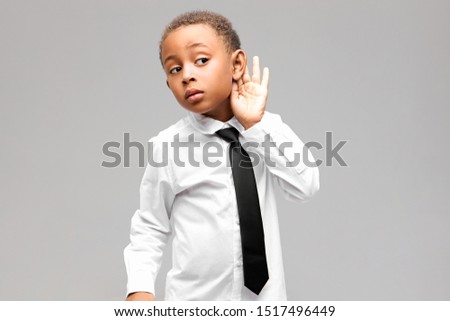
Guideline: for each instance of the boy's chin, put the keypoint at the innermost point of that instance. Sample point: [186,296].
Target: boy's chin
[220,112]
[198,109]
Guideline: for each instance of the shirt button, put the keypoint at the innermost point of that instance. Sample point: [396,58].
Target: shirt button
[237,222]
[239,264]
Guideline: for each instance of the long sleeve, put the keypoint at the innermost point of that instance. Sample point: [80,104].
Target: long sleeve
[150,226]
[283,153]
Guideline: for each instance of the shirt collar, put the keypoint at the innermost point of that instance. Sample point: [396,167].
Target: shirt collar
[207,125]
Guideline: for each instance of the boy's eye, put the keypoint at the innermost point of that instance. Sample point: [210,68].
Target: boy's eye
[174,70]
[202,61]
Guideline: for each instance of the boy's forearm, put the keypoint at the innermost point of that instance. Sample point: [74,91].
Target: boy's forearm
[140,296]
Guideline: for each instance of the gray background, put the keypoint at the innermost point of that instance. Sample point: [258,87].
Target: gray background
[76,74]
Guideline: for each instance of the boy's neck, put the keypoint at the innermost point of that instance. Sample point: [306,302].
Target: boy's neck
[222,114]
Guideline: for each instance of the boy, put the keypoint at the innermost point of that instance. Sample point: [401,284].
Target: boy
[206,204]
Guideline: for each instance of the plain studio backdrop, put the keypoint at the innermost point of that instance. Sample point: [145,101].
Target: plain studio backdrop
[75,75]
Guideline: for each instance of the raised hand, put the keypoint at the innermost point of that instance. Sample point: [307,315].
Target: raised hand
[249,95]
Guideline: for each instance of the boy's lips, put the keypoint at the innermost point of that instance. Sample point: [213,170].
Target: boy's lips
[193,94]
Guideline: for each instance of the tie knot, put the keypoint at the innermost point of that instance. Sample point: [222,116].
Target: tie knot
[230,134]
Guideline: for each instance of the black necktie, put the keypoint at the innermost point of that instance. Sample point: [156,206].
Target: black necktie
[252,233]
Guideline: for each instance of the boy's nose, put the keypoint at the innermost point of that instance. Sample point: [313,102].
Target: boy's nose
[187,75]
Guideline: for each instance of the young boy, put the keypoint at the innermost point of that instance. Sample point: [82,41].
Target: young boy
[205,204]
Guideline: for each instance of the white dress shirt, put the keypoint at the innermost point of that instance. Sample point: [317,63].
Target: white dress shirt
[197,203]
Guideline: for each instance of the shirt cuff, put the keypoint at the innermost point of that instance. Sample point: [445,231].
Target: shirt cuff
[140,282]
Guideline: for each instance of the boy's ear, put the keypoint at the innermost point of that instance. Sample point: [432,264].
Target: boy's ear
[239,61]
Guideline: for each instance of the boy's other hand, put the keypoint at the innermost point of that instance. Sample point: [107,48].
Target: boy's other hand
[249,95]
[140,296]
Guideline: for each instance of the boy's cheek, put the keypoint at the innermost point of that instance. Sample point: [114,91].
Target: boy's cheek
[173,90]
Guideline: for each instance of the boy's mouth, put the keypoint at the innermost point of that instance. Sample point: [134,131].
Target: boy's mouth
[193,94]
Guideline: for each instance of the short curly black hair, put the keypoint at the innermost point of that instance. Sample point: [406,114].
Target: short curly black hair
[219,23]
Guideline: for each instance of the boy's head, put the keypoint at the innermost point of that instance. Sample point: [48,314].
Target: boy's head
[221,25]
[201,56]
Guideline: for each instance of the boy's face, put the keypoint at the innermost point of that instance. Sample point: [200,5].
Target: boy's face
[199,70]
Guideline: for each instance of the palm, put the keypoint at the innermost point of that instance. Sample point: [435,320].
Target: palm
[249,95]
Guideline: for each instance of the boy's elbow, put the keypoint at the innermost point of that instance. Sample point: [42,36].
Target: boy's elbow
[308,187]
[313,188]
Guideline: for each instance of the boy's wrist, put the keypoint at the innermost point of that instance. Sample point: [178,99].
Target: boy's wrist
[140,296]
[248,123]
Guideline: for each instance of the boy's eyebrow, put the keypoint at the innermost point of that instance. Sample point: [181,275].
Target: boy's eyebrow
[195,44]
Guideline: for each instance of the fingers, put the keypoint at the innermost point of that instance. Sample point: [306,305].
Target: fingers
[265,78]
[256,74]
[256,71]
[246,77]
